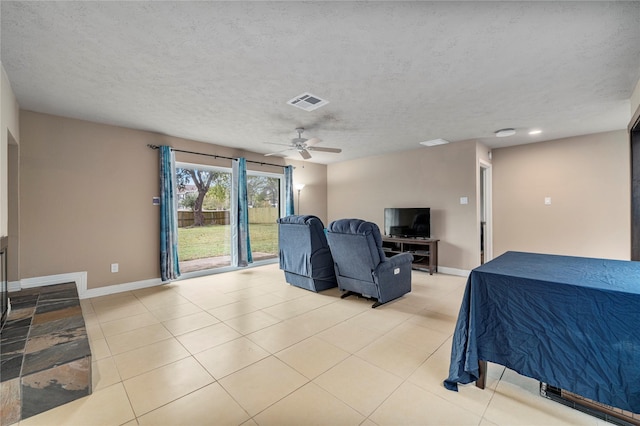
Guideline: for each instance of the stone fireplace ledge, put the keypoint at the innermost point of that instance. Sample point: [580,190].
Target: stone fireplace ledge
[45,359]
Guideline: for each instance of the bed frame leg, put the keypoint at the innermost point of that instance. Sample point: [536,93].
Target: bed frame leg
[482,368]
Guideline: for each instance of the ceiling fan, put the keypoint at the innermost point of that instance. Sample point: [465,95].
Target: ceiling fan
[303,146]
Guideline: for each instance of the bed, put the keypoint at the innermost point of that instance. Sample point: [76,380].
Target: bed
[571,322]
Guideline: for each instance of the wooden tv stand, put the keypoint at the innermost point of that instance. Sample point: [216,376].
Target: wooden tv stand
[424,251]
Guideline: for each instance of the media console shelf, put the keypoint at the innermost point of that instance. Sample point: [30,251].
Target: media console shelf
[424,251]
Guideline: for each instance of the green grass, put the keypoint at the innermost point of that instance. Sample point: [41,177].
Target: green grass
[215,240]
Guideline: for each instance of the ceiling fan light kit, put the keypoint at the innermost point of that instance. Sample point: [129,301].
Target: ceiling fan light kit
[503,133]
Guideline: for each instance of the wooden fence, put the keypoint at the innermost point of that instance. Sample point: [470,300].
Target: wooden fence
[221,217]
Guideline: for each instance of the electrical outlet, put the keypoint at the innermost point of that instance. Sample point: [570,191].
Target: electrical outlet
[114,267]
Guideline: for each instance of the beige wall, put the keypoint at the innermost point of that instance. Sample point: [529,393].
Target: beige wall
[434,177]
[87,191]
[635,99]
[95,183]
[635,105]
[9,133]
[313,197]
[587,178]
[9,179]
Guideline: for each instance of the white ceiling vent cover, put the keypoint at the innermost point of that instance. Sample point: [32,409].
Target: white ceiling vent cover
[435,142]
[307,102]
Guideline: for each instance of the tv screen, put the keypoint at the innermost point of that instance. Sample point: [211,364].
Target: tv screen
[407,222]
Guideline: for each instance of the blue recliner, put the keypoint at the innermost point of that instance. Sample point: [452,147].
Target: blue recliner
[361,265]
[305,257]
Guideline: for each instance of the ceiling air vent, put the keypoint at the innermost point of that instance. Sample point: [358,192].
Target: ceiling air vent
[435,142]
[307,102]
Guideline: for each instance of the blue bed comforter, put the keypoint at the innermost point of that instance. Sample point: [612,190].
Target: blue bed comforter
[571,322]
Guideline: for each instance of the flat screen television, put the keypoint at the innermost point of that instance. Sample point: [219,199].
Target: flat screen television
[406,222]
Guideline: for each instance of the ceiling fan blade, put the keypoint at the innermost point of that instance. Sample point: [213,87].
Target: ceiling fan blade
[275,153]
[313,141]
[276,143]
[304,153]
[324,149]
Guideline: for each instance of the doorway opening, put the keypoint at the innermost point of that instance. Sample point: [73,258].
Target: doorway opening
[634,140]
[486,227]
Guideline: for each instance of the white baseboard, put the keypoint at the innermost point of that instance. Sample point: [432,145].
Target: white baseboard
[453,271]
[80,278]
[13,286]
[119,288]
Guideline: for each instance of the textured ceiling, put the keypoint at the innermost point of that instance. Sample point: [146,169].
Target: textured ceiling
[394,73]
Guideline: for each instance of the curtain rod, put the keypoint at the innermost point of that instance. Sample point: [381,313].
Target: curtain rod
[217,156]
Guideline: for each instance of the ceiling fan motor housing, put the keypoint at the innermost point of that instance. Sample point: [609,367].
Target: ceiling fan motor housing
[300,145]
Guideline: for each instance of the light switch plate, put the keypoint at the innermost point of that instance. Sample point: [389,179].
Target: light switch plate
[547,201]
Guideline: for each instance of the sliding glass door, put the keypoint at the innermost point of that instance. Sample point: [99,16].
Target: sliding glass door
[204,202]
[204,225]
[263,191]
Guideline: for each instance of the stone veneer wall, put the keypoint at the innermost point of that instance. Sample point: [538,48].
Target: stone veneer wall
[45,359]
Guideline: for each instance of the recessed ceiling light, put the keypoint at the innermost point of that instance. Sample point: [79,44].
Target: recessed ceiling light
[434,142]
[535,132]
[502,133]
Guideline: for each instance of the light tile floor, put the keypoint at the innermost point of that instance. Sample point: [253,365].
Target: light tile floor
[246,348]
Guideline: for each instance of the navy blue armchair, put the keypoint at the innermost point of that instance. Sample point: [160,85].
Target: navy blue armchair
[305,257]
[361,265]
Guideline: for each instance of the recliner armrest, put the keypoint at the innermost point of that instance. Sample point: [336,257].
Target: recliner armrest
[393,277]
[400,259]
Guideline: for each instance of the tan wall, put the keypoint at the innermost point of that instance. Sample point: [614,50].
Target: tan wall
[96,183]
[9,133]
[635,105]
[9,173]
[635,99]
[313,197]
[587,178]
[434,177]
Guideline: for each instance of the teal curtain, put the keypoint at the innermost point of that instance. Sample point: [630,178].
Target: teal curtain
[169,267]
[241,245]
[288,191]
